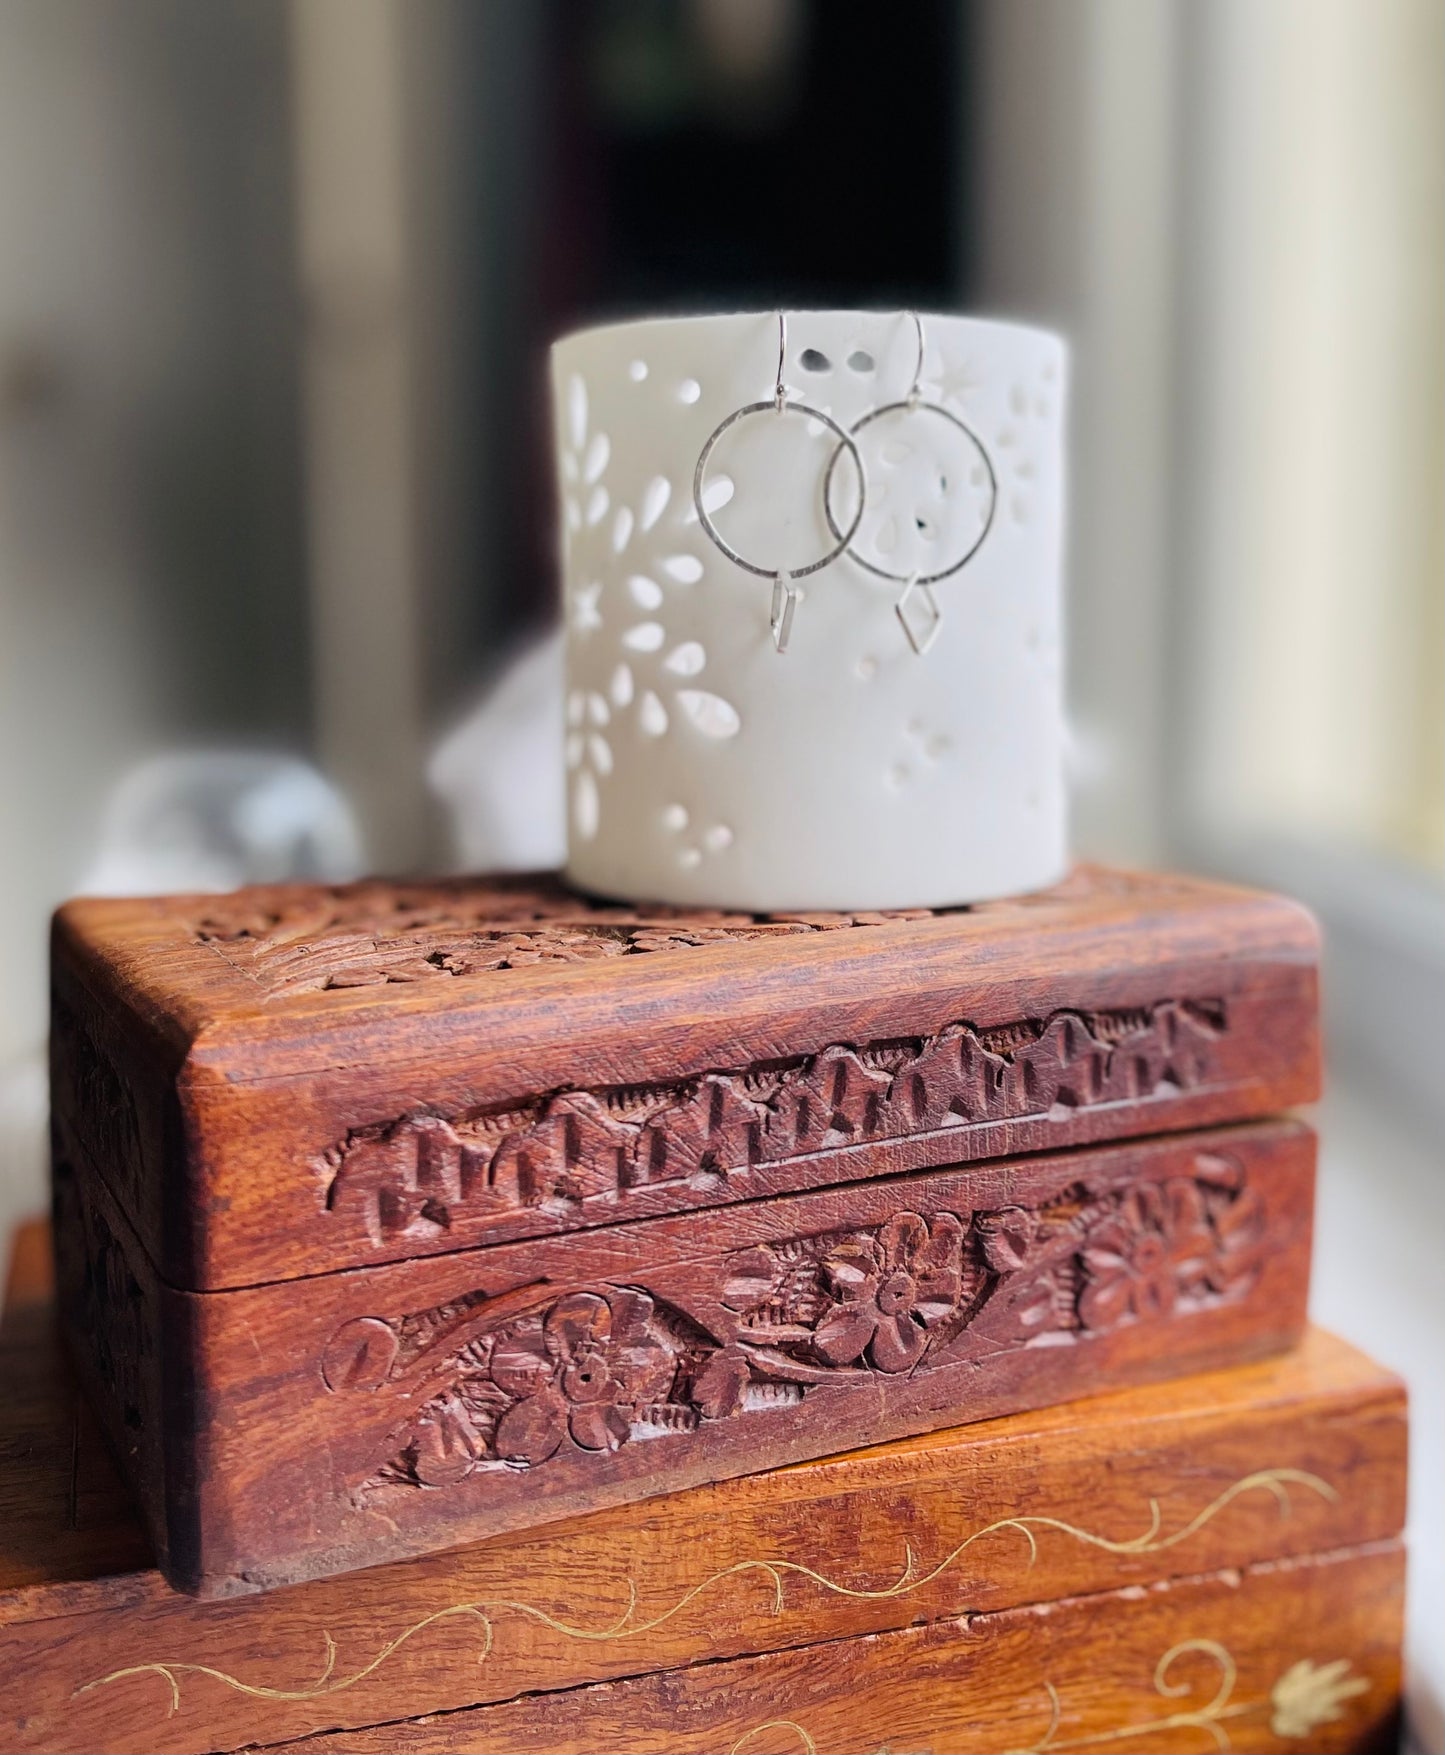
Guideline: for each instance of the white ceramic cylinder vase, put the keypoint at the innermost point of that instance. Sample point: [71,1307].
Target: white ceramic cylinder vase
[811,568]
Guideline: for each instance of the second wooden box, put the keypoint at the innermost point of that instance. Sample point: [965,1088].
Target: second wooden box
[390,1218]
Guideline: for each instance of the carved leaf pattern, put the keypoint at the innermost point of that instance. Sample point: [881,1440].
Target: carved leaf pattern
[289,938]
[414,1176]
[593,1369]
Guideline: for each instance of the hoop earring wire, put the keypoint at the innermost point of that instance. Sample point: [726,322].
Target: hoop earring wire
[915,583]
[785,595]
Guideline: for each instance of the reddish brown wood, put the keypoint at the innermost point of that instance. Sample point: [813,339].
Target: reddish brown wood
[1303,1655]
[287,1430]
[1277,1461]
[295,1081]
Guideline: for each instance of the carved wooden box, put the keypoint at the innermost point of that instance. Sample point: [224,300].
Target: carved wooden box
[391,1217]
[1212,1563]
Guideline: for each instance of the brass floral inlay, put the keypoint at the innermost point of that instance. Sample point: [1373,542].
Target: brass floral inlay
[1306,1696]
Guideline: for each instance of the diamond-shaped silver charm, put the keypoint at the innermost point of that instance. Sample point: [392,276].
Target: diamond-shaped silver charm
[917,609]
[785,603]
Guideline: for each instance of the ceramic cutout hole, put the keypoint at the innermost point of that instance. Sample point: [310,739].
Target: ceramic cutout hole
[686,660]
[645,637]
[717,838]
[646,593]
[689,858]
[717,493]
[652,715]
[585,805]
[622,686]
[931,516]
[597,506]
[597,709]
[585,615]
[689,390]
[674,818]
[654,500]
[686,569]
[621,529]
[813,361]
[713,716]
[637,371]
[599,752]
[596,460]
[860,360]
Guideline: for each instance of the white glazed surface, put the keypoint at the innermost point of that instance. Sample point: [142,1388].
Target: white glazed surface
[706,768]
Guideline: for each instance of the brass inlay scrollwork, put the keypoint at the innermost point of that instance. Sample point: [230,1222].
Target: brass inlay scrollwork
[1277,1482]
[1306,1696]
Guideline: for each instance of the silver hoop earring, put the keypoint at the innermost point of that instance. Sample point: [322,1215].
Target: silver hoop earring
[917,586]
[785,593]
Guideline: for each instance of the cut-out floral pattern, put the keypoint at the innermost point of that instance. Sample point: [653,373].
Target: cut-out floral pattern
[647,675]
[716,838]
[588,755]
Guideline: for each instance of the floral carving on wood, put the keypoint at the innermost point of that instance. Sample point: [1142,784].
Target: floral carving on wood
[290,939]
[520,1378]
[414,1176]
[891,1292]
[293,938]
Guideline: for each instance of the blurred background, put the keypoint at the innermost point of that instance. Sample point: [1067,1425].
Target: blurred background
[275,504]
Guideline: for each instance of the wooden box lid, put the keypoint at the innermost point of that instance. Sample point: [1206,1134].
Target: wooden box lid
[292,1080]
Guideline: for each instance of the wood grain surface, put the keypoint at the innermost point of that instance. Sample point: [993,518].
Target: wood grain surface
[1267,1462]
[1297,1655]
[290,1430]
[295,1081]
